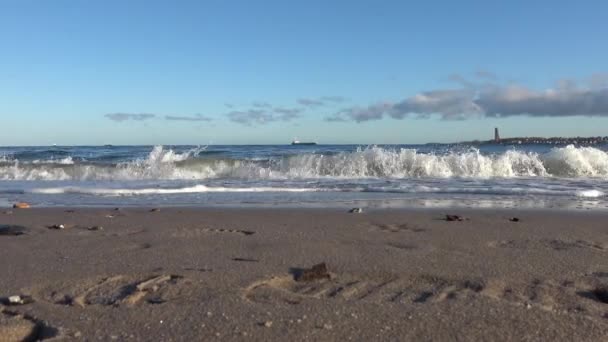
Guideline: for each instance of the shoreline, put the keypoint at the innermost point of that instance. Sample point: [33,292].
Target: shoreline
[191,273]
[366,205]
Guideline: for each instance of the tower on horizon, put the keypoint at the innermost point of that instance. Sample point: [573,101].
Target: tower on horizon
[496,135]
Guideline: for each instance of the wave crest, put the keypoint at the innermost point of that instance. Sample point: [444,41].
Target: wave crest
[371,162]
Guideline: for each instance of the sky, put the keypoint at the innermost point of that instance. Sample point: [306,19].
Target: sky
[93,72]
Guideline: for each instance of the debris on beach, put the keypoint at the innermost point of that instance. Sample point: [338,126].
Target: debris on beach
[245,259]
[7,212]
[514,219]
[316,272]
[451,218]
[154,210]
[267,324]
[17,300]
[95,228]
[356,210]
[21,205]
[601,293]
[57,226]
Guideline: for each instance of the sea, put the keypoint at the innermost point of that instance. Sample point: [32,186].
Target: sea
[376,176]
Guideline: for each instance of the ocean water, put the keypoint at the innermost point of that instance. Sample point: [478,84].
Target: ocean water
[493,176]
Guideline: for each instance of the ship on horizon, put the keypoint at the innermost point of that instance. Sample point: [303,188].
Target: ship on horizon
[298,142]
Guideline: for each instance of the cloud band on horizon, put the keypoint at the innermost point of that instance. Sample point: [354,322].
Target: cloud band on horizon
[196,117]
[474,100]
[120,117]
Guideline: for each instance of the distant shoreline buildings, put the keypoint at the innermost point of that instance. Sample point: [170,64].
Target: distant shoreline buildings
[541,140]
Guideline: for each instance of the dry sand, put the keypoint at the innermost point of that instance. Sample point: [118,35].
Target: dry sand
[186,274]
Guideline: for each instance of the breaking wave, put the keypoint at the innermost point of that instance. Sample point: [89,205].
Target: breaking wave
[371,162]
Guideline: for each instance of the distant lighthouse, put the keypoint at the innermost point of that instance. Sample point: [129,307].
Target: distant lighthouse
[496,135]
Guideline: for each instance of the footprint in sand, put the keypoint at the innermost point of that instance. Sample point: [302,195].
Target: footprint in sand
[396,228]
[387,288]
[117,291]
[587,296]
[555,244]
[198,232]
[582,296]
[18,327]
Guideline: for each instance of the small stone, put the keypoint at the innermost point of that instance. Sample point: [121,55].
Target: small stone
[95,228]
[514,219]
[356,210]
[14,300]
[21,205]
[57,226]
[153,210]
[17,300]
[327,326]
[268,324]
[209,314]
[601,294]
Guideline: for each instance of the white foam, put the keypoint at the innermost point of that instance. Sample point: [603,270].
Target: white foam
[590,193]
[63,161]
[372,162]
[160,191]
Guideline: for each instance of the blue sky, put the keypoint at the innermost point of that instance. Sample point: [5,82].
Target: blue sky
[224,72]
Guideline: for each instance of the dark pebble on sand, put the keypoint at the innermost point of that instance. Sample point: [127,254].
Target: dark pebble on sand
[454,218]
[245,259]
[601,293]
[514,219]
[317,272]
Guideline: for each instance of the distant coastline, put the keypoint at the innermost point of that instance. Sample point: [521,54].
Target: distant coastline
[541,141]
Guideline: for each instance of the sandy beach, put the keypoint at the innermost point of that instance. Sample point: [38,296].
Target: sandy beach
[184,274]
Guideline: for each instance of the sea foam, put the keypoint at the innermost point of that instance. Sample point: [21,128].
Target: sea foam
[371,162]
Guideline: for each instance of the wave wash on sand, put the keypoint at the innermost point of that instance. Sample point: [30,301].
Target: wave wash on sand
[371,162]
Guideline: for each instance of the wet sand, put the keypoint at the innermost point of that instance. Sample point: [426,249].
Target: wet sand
[230,274]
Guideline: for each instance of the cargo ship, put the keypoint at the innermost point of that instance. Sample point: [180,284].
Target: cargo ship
[297,142]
